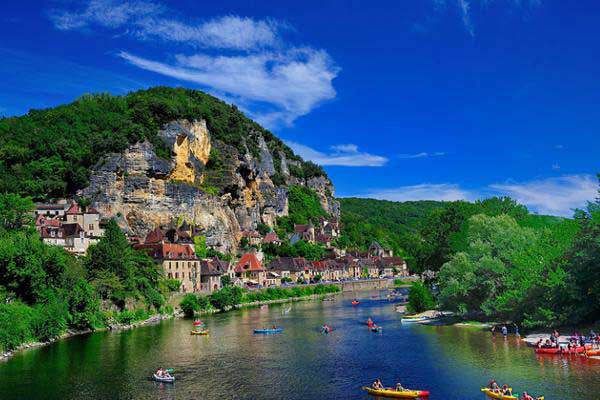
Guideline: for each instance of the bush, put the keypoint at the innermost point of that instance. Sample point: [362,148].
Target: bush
[125,317]
[83,306]
[419,298]
[227,297]
[15,325]
[189,305]
[49,319]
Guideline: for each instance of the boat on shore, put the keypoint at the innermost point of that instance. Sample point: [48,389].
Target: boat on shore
[560,350]
[395,394]
[413,319]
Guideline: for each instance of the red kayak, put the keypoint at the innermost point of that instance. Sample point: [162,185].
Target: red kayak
[355,302]
[559,350]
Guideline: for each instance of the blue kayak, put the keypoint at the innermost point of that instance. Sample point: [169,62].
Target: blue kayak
[276,330]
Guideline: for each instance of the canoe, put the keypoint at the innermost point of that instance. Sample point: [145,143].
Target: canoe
[355,303]
[164,379]
[276,330]
[488,392]
[593,352]
[199,333]
[559,350]
[413,319]
[390,393]
[376,328]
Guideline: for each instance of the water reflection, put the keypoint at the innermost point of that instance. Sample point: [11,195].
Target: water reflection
[300,363]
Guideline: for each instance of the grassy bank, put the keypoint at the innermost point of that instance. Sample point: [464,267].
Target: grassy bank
[232,296]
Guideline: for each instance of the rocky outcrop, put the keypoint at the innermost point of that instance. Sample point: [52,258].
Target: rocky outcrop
[206,182]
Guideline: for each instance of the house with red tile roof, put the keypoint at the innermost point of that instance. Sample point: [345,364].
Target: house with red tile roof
[250,270]
[271,237]
[178,261]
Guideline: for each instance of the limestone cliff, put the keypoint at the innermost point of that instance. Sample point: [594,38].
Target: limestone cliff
[212,185]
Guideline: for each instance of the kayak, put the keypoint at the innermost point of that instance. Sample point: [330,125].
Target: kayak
[493,395]
[276,330]
[559,350]
[165,379]
[199,332]
[355,303]
[593,352]
[391,393]
[376,328]
[488,392]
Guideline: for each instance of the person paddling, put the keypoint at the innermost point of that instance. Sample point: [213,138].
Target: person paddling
[506,391]
[377,384]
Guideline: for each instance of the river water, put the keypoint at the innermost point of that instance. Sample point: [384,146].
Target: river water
[300,363]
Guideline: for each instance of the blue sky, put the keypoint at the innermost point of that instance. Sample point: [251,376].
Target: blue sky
[400,100]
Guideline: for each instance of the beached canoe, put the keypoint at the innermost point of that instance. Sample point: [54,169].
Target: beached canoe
[164,379]
[412,319]
[391,393]
[199,332]
[276,330]
[488,392]
[559,350]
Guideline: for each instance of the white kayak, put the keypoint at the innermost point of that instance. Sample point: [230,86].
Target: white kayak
[166,379]
[414,319]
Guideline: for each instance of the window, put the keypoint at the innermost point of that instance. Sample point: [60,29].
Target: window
[90,227]
[170,275]
[176,275]
[176,265]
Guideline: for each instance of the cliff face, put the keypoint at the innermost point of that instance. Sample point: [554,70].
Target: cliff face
[209,184]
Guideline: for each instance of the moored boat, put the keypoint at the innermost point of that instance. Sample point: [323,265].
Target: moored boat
[412,318]
[395,394]
[560,350]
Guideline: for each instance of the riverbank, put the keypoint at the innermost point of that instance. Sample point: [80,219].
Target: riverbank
[72,333]
[156,319]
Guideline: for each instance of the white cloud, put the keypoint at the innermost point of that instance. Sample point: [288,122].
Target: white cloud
[551,196]
[555,196]
[425,191]
[469,10]
[150,20]
[422,155]
[346,155]
[273,81]
[294,82]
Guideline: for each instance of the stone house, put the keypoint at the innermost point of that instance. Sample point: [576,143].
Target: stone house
[305,232]
[254,238]
[210,275]
[88,219]
[376,250]
[178,260]
[288,267]
[250,270]
[387,266]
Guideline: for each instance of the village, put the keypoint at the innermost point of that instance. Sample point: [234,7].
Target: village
[75,227]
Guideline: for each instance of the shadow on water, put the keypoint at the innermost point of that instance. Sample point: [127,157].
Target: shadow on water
[300,363]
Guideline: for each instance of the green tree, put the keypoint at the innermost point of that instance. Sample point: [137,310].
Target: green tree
[15,211]
[227,297]
[189,304]
[419,298]
[200,246]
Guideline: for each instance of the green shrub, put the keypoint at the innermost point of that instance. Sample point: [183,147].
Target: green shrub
[125,317]
[189,304]
[49,319]
[15,325]
[419,298]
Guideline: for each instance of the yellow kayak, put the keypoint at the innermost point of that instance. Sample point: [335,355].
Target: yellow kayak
[199,333]
[391,393]
[493,395]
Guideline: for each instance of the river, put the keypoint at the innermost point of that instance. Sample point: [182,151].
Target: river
[300,363]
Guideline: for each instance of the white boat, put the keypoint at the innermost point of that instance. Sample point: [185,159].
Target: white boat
[409,320]
[165,379]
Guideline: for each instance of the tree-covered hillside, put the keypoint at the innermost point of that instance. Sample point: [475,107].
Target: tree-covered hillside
[48,153]
[428,233]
